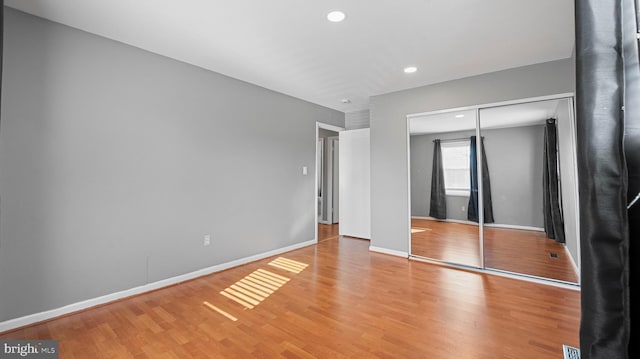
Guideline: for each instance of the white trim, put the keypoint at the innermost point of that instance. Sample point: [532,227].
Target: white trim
[574,132]
[514,226]
[573,262]
[495,225]
[325,126]
[329,127]
[461,221]
[334,182]
[85,304]
[447,220]
[495,104]
[480,178]
[408,149]
[522,277]
[389,251]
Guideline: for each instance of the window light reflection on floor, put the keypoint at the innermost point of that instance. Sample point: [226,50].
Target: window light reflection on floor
[254,288]
[258,285]
[288,265]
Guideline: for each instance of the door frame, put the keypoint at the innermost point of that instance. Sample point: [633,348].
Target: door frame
[329,127]
[333,143]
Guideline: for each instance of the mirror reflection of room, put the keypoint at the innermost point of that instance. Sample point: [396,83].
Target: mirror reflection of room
[530,214]
[531,156]
[441,175]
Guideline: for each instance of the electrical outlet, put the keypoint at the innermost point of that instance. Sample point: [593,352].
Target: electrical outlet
[462,208]
[207,240]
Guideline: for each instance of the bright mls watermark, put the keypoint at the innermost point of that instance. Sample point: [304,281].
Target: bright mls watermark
[40,349]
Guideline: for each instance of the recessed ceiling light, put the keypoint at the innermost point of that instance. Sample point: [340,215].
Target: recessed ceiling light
[410,69]
[345,100]
[336,16]
[460,116]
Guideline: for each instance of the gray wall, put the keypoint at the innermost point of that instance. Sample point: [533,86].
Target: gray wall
[514,157]
[515,160]
[389,174]
[356,120]
[114,162]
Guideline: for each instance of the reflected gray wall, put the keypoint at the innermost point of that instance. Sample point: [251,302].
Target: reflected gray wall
[515,159]
[389,140]
[515,165]
[115,162]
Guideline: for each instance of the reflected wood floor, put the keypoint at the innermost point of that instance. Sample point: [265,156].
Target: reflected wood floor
[518,251]
[348,303]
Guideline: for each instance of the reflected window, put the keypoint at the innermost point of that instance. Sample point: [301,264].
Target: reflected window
[455,163]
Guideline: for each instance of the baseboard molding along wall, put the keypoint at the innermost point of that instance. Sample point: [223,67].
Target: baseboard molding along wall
[494,225]
[389,251]
[573,262]
[85,304]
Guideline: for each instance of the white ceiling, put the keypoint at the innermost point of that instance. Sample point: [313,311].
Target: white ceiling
[525,114]
[290,47]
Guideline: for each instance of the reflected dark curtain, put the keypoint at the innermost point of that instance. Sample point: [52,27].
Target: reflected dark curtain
[608,134]
[472,210]
[438,205]
[553,221]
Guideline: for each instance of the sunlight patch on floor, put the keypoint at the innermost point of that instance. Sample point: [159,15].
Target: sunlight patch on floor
[418,230]
[254,288]
[216,309]
[288,265]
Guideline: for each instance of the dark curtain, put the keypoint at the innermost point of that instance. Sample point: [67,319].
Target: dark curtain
[632,155]
[472,210]
[607,108]
[553,222]
[438,205]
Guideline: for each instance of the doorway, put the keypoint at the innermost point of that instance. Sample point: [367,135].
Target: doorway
[327,183]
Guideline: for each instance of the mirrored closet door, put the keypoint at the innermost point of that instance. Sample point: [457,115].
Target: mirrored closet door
[441,176]
[530,189]
[503,196]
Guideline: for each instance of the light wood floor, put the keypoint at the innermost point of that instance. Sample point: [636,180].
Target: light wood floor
[519,251]
[347,303]
[327,231]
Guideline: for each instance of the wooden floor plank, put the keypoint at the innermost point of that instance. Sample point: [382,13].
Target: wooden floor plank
[348,302]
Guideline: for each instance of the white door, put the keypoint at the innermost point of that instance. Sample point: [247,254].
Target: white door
[354,184]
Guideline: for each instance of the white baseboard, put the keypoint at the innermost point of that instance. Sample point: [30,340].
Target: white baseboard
[493,225]
[389,251]
[446,220]
[429,218]
[514,226]
[67,309]
[573,262]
